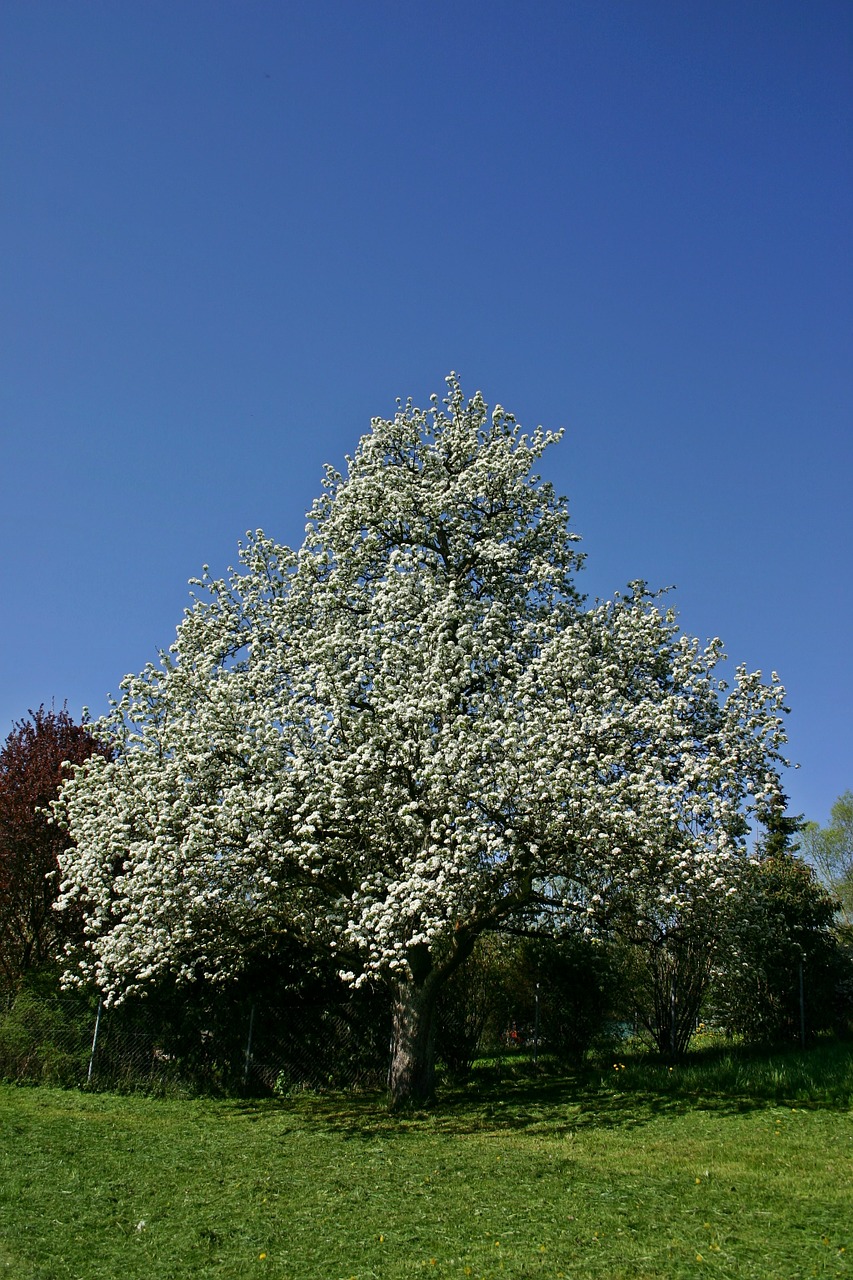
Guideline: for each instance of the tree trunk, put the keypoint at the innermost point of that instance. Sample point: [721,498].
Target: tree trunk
[412,1075]
[411,1078]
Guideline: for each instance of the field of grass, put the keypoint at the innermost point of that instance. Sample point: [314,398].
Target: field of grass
[729,1166]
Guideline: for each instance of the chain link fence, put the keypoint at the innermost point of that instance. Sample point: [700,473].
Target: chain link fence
[73,1041]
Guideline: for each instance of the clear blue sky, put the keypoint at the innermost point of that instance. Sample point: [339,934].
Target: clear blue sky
[232,232]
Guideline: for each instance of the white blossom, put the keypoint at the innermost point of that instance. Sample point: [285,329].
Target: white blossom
[409,730]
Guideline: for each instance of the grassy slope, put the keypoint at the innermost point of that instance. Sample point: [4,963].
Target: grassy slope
[639,1175]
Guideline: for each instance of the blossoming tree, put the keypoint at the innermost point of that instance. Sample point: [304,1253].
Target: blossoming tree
[405,734]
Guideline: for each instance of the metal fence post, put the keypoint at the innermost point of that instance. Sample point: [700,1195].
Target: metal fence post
[94,1043]
[249,1046]
[673,1013]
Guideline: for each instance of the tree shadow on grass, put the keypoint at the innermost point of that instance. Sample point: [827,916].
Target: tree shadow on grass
[547,1112]
[518,1096]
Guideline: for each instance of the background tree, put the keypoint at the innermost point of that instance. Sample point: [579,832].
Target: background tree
[778,926]
[670,965]
[31,773]
[780,831]
[407,734]
[830,850]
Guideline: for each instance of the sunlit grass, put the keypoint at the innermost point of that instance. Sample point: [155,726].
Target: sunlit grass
[633,1171]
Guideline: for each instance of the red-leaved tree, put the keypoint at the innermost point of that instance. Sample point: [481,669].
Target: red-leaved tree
[32,768]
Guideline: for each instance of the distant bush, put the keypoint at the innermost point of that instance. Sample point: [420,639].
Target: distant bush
[45,1036]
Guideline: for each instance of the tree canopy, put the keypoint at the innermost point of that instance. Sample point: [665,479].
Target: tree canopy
[408,732]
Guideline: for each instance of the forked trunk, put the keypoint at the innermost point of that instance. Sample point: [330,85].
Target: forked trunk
[411,1078]
[412,1075]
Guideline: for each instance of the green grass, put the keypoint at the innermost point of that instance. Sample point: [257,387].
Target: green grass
[733,1165]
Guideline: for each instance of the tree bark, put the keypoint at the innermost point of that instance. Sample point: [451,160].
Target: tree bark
[411,1078]
[412,1075]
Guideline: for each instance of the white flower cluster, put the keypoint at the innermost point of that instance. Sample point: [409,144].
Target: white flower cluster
[408,730]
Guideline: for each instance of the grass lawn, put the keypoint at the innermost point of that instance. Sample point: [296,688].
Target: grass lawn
[637,1172]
